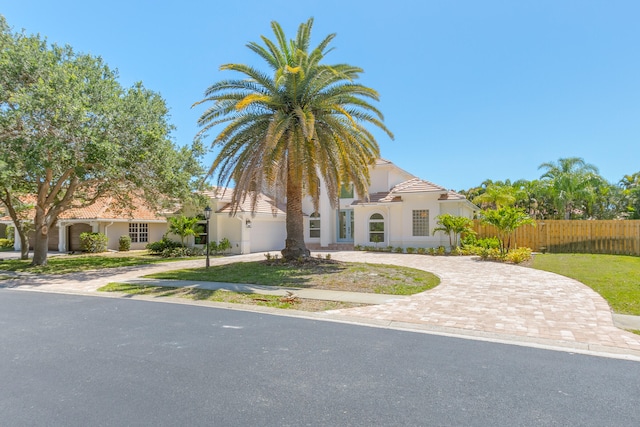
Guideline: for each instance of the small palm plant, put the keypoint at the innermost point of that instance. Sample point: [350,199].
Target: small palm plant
[183,226]
[454,226]
[506,220]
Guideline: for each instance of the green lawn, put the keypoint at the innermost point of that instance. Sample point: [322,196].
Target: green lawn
[615,277]
[223,296]
[344,276]
[73,263]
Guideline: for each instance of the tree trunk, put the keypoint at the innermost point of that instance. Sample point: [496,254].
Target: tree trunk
[40,249]
[294,243]
[24,242]
[41,238]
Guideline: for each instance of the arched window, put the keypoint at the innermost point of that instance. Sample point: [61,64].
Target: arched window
[376,228]
[314,225]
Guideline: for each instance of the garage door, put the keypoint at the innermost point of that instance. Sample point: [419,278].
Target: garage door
[54,238]
[73,237]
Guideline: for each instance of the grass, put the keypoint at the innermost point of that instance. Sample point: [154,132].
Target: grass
[227,297]
[314,273]
[344,276]
[615,277]
[64,264]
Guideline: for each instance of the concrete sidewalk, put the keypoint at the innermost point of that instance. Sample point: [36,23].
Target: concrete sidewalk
[475,298]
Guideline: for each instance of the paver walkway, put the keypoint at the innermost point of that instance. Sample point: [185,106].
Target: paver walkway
[477,297]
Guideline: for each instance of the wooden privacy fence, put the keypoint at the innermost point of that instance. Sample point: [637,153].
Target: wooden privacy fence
[598,237]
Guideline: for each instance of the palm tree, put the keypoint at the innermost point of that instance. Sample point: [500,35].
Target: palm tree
[630,185]
[496,194]
[454,226]
[571,179]
[183,226]
[506,220]
[287,129]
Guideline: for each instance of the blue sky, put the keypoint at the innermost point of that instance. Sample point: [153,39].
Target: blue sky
[472,90]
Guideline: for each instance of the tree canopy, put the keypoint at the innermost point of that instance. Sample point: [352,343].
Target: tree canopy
[287,129]
[70,133]
[568,188]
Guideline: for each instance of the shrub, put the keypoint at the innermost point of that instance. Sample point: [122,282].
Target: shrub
[213,248]
[422,251]
[160,246]
[388,249]
[6,243]
[124,243]
[441,250]
[411,250]
[431,251]
[490,254]
[489,243]
[456,251]
[398,250]
[224,245]
[9,233]
[357,248]
[93,242]
[519,255]
[181,252]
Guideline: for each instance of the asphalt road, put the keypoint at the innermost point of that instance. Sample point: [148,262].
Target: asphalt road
[70,360]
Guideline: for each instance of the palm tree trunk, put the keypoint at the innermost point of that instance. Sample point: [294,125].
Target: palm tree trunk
[294,243]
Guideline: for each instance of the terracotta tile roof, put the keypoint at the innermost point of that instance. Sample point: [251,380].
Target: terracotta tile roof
[380,161]
[382,197]
[221,193]
[452,195]
[105,209]
[417,185]
[264,205]
[414,185]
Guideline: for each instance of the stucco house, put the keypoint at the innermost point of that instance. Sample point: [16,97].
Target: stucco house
[401,212]
[140,223]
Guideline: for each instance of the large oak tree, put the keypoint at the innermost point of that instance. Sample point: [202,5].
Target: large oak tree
[70,133]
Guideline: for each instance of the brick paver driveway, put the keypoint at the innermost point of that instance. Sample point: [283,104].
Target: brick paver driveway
[499,298]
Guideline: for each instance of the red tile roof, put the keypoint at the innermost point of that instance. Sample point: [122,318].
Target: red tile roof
[105,209]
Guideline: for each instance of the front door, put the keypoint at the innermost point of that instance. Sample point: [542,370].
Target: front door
[345,226]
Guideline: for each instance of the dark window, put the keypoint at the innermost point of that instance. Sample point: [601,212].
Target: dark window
[376,228]
[314,225]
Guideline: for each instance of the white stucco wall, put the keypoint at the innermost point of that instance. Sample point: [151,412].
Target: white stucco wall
[117,229]
[267,234]
[229,227]
[399,221]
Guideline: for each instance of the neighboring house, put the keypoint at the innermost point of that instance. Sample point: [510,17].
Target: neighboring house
[139,223]
[401,212]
